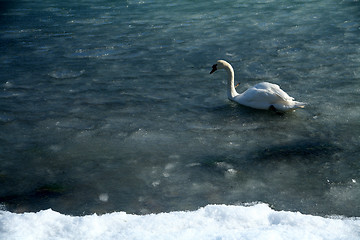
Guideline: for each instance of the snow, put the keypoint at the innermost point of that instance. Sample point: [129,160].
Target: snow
[257,221]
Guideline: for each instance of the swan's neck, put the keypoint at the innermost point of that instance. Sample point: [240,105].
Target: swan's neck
[231,92]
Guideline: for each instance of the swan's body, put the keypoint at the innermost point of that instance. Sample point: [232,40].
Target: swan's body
[261,96]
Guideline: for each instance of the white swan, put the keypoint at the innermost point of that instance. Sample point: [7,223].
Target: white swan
[261,96]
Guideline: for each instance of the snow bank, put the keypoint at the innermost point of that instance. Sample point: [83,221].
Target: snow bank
[211,222]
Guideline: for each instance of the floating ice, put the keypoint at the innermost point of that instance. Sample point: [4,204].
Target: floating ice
[211,222]
[64,73]
[104,197]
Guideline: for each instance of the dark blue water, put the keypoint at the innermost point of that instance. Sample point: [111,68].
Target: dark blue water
[109,106]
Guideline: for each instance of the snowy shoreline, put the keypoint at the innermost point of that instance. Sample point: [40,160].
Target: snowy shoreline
[211,222]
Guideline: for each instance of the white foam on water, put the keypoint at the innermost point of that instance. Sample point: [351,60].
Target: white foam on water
[257,221]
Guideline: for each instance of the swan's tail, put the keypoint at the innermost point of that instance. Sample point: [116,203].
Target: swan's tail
[289,106]
[299,104]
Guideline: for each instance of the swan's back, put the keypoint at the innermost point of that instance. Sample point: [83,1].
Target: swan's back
[264,95]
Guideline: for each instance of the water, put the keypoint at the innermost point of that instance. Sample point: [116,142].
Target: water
[109,106]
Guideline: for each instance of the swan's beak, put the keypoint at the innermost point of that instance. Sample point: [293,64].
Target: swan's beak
[214,68]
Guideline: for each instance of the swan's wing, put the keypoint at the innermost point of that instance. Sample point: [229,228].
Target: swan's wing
[265,93]
[275,90]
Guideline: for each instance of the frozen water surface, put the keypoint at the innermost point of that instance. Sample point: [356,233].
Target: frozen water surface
[109,106]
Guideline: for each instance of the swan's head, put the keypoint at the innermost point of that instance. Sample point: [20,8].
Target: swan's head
[220,64]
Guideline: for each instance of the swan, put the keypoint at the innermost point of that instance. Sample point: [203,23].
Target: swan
[266,96]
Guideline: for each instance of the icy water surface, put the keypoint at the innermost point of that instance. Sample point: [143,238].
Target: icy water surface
[109,106]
